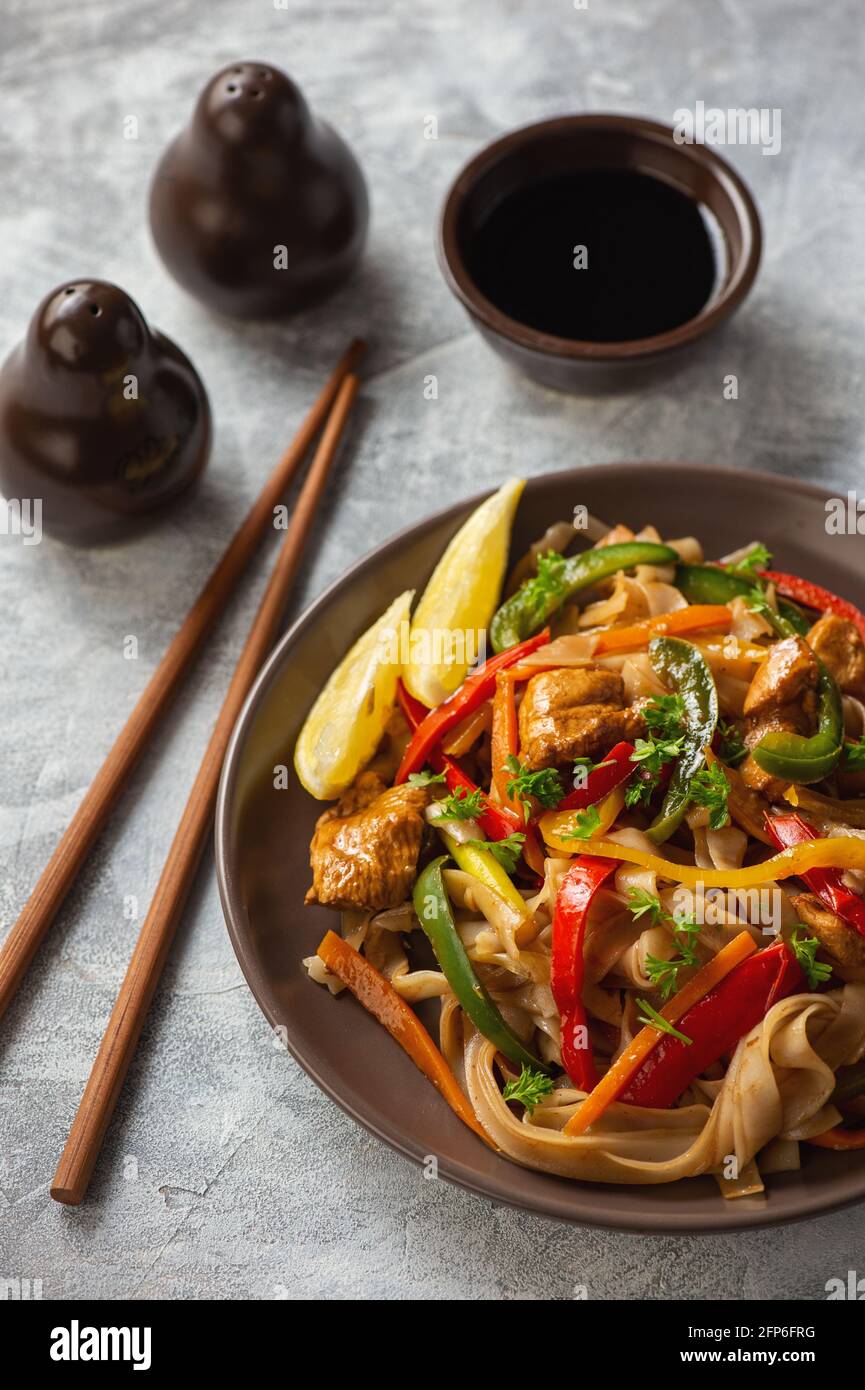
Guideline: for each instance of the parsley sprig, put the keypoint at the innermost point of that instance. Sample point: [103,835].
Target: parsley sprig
[529,1088]
[656,1020]
[506,851]
[710,788]
[731,749]
[805,949]
[461,805]
[664,974]
[749,565]
[585,825]
[425,777]
[545,785]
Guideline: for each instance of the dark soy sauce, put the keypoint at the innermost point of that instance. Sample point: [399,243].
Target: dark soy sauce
[649,260]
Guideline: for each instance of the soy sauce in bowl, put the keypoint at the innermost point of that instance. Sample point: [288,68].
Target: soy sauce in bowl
[598,255]
[590,250]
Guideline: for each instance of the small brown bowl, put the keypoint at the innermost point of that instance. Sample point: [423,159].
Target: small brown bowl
[597,142]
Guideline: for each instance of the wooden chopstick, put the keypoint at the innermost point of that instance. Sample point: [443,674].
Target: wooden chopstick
[130,1010]
[98,801]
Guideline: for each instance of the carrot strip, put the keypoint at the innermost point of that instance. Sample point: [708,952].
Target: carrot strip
[378,997]
[504,740]
[839,1138]
[699,617]
[616,1079]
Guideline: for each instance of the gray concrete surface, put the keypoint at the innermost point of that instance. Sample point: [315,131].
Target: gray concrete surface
[225,1172]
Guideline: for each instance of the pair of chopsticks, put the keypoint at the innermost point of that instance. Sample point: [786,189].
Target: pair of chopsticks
[103,1088]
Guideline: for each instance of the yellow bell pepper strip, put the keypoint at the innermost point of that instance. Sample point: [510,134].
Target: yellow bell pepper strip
[475,689]
[685,671]
[562,829]
[712,584]
[614,1082]
[484,866]
[835,852]
[559,577]
[433,909]
[699,617]
[378,997]
[828,884]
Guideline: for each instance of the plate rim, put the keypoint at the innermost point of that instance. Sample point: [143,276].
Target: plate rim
[450,1169]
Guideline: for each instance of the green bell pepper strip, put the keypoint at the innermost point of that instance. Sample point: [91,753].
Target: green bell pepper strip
[684,670]
[433,908]
[790,757]
[528,609]
[710,584]
[795,758]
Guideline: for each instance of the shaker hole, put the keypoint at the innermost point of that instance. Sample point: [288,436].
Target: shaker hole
[95,310]
[231,87]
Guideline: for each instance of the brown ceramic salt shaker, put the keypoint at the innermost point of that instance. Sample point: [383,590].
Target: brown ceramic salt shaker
[102,418]
[258,208]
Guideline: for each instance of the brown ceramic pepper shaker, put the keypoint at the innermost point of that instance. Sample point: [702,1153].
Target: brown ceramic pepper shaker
[101,417]
[258,208]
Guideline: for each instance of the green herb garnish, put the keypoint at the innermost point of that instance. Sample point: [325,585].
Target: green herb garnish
[585,825]
[805,949]
[507,851]
[663,974]
[529,1088]
[545,785]
[461,805]
[664,716]
[758,558]
[656,1020]
[710,788]
[424,778]
[731,749]
[640,902]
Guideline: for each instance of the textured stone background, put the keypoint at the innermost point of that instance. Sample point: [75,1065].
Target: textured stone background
[225,1173]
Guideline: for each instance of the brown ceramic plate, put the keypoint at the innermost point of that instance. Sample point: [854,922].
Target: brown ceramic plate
[263,834]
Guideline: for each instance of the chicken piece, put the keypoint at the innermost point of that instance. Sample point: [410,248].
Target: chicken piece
[365,849]
[780,699]
[836,936]
[574,712]
[839,646]
[788,671]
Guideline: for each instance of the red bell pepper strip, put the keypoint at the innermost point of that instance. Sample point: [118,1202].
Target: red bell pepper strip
[497,822]
[474,690]
[813,596]
[839,1138]
[828,884]
[715,1024]
[574,898]
[615,769]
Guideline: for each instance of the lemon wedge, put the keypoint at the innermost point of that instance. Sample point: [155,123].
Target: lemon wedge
[460,599]
[347,721]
